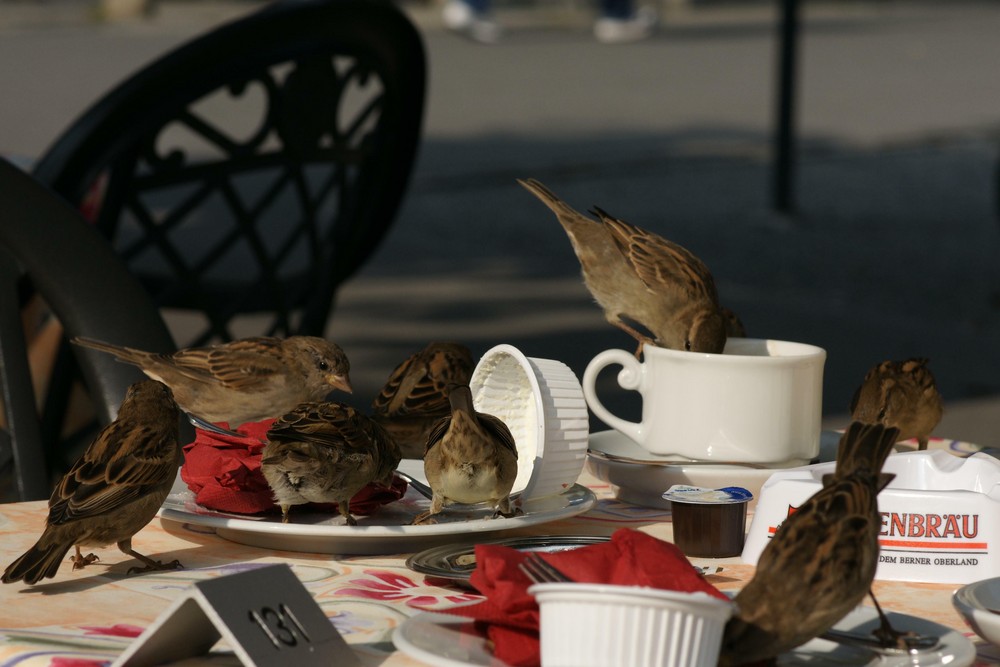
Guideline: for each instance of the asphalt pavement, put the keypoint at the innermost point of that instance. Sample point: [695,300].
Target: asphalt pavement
[891,249]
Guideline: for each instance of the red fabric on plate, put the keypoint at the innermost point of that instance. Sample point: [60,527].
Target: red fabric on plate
[224,474]
[509,614]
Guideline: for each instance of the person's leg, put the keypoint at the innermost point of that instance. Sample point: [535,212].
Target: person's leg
[472,19]
[619,22]
[616,9]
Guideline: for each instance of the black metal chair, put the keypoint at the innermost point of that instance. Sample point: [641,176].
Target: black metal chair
[255,168]
[250,171]
[44,241]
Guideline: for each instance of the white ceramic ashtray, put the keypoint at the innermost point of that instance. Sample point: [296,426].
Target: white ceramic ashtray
[542,403]
[938,515]
[595,625]
[979,605]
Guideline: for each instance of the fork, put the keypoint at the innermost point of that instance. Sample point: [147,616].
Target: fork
[541,571]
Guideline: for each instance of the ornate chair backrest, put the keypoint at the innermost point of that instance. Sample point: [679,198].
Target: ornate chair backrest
[257,167]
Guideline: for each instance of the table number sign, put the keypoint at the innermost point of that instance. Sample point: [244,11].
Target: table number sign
[266,616]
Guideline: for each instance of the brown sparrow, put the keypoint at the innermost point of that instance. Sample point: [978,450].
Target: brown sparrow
[113,490]
[653,289]
[326,453]
[415,396]
[471,458]
[245,380]
[900,394]
[821,561]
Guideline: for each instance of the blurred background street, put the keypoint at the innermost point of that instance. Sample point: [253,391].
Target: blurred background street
[891,250]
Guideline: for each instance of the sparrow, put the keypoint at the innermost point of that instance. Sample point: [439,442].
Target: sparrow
[653,289]
[113,490]
[901,394]
[415,396]
[325,453]
[244,380]
[471,458]
[821,561]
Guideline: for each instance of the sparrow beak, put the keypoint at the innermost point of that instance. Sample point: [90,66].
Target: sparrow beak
[341,382]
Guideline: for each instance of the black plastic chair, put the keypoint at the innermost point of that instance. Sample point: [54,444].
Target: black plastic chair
[256,168]
[45,241]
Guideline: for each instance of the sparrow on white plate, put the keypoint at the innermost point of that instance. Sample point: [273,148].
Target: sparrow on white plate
[821,561]
[113,490]
[325,453]
[415,396]
[901,394]
[653,289]
[245,380]
[471,458]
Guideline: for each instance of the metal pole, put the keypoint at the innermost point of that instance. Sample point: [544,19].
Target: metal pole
[784,141]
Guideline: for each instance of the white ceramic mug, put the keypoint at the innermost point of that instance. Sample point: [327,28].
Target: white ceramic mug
[760,401]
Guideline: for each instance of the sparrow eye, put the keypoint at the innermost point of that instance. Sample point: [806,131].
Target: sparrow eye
[881,414]
[323,366]
[687,345]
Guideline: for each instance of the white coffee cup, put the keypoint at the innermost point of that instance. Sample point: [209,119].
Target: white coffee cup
[760,401]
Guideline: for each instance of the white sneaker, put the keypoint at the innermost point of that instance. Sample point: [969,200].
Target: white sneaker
[458,16]
[621,31]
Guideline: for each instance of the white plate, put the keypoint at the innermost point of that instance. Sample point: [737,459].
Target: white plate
[387,531]
[640,477]
[974,602]
[453,641]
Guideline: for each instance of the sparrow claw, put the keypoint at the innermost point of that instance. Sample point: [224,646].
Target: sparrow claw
[80,561]
[424,519]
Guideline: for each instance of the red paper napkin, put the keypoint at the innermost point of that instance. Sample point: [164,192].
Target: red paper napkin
[509,614]
[224,473]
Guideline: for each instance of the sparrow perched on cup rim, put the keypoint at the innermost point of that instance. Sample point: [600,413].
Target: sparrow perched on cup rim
[113,490]
[415,396]
[655,290]
[821,561]
[325,452]
[245,380]
[471,458]
[901,394]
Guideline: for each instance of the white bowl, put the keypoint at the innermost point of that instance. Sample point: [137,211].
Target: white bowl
[974,602]
[542,403]
[595,625]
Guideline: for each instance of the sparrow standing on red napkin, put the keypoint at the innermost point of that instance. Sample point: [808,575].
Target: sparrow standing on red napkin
[246,380]
[415,396]
[821,562]
[652,289]
[326,453]
[471,457]
[901,394]
[113,490]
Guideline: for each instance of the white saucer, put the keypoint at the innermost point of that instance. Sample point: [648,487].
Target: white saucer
[453,641]
[640,477]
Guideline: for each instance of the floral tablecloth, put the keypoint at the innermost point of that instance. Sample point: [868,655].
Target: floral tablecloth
[86,618]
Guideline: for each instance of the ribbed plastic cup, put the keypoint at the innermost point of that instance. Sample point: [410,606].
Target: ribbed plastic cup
[542,403]
[598,625]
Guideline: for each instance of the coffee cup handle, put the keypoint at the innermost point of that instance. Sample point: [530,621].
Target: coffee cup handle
[629,377]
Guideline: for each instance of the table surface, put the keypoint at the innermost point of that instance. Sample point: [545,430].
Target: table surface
[90,616]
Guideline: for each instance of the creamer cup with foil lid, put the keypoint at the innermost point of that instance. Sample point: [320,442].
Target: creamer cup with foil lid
[708,523]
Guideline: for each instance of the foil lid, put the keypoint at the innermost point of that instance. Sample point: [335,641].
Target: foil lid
[682,493]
